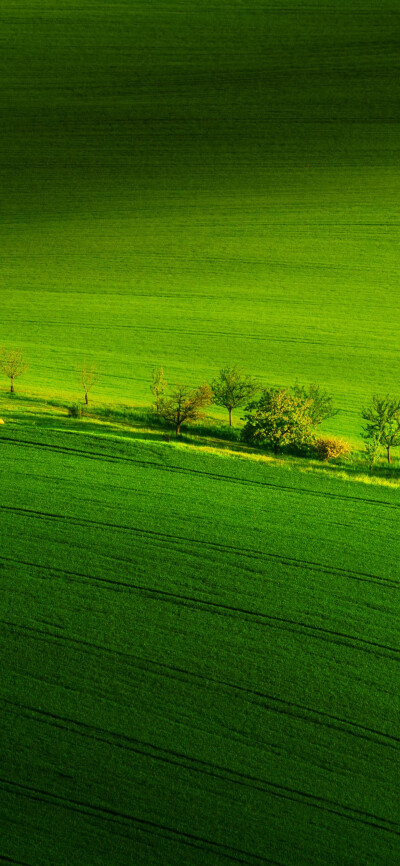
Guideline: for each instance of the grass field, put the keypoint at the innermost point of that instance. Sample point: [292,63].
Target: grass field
[200,657]
[195,184]
[199,643]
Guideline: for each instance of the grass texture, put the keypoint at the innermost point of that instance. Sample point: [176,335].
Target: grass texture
[200,649]
[199,184]
[200,657]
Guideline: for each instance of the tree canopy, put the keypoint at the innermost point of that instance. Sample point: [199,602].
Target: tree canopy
[232,388]
[383,424]
[12,364]
[319,401]
[184,405]
[157,387]
[277,418]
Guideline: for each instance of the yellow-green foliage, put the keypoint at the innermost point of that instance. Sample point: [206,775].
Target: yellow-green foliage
[329,447]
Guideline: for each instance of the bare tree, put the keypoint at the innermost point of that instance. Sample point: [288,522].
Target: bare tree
[157,387]
[89,377]
[12,364]
[232,388]
[184,405]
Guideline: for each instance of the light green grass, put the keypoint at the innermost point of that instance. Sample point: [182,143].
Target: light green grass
[196,185]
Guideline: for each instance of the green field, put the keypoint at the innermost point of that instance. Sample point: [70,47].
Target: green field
[195,184]
[199,644]
[200,657]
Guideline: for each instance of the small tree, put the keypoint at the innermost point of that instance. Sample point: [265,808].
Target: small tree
[12,364]
[278,418]
[232,388]
[158,387]
[371,451]
[320,403]
[184,405]
[383,423]
[89,377]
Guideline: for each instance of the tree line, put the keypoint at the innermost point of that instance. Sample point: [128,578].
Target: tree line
[274,417]
[278,417]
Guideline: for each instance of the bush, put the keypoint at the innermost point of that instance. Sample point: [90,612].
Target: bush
[277,420]
[329,447]
[75,411]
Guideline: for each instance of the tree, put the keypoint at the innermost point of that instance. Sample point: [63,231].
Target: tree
[277,418]
[89,377]
[371,451]
[158,387]
[383,423]
[184,405]
[320,403]
[12,364]
[232,388]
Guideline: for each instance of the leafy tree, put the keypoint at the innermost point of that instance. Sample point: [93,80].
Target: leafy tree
[12,364]
[320,403]
[184,406]
[157,387]
[383,423]
[89,377]
[232,388]
[278,418]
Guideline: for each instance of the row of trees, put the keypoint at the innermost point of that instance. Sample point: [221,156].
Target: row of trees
[279,417]
[276,418]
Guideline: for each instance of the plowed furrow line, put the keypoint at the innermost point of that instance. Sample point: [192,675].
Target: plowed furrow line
[217,771]
[105,813]
[272,703]
[212,545]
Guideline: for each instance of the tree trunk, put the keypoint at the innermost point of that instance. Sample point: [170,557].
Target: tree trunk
[86,398]
[230,416]
[388,454]
[178,429]
[12,385]
[276,447]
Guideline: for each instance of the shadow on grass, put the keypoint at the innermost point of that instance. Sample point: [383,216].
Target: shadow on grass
[139,423]
[381,470]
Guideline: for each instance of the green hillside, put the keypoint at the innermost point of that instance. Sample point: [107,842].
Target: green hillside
[199,642]
[194,184]
[200,657]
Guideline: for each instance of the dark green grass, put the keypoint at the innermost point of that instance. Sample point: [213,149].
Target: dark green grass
[200,657]
[201,184]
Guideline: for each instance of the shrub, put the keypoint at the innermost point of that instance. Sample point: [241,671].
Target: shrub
[329,447]
[74,411]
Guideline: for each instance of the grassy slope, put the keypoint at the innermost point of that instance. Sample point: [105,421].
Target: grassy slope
[201,183]
[200,657]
